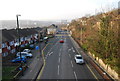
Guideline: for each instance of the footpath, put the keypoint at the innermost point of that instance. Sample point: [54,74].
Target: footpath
[34,65]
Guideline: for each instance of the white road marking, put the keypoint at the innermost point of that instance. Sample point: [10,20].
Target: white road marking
[73,50]
[75,75]
[59,53]
[30,70]
[71,63]
[58,69]
[59,59]
[60,50]
[69,50]
[69,55]
[50,53]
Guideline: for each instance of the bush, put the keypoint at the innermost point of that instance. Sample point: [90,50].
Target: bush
[85,47]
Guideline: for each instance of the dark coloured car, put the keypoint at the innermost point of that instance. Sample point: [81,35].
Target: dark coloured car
[32,46]
[18,60]
[41,40]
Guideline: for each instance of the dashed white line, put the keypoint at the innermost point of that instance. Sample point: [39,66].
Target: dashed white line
[59,53]
[58,69]
[60,50]
[75,75]
[71,63]
[69,50]
[69,55]
[59,59]
[73,50]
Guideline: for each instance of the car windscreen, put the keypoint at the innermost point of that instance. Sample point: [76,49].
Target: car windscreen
[24,54]
[79,57]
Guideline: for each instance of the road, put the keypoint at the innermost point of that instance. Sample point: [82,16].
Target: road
[60,64]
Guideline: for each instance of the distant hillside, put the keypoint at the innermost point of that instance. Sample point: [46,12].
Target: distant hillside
[11,24]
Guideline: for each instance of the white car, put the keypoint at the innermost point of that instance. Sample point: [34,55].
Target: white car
[27,50]
[79,59]
[24,54]
[45,38]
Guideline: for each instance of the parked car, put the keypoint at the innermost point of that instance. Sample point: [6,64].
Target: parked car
[32,46]
[41,40]
[27,50]
[79,59]
[46,38]
[24,54]
[18,60]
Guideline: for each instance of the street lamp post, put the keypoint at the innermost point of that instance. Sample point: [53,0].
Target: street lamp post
[19,42]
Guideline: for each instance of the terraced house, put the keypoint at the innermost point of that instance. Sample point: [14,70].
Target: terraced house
[10,39]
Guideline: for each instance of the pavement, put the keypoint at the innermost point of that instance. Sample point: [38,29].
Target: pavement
[60,64]
[34,64]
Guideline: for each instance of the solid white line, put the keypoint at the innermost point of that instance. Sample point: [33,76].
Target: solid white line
[71,63]
[75,75]
[58,69]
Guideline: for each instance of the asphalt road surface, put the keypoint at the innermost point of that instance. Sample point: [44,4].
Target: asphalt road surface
[60,64]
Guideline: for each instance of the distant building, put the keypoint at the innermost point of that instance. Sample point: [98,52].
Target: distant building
[51,29]
[64,22]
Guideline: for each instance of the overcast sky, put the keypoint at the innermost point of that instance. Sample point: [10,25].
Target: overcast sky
[46,10]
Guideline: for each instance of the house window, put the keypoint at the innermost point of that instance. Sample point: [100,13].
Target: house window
[8,47]
[5,54]
[0,50]
[4,45]
[12,51]
[11,43]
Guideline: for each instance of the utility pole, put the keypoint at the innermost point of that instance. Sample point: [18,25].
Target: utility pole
[18,31]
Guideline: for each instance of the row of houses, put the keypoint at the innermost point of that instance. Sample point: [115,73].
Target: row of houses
[10,39]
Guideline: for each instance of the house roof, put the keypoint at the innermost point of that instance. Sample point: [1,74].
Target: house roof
[9,35]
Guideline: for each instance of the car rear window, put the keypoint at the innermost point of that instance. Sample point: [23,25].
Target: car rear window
[79,57]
